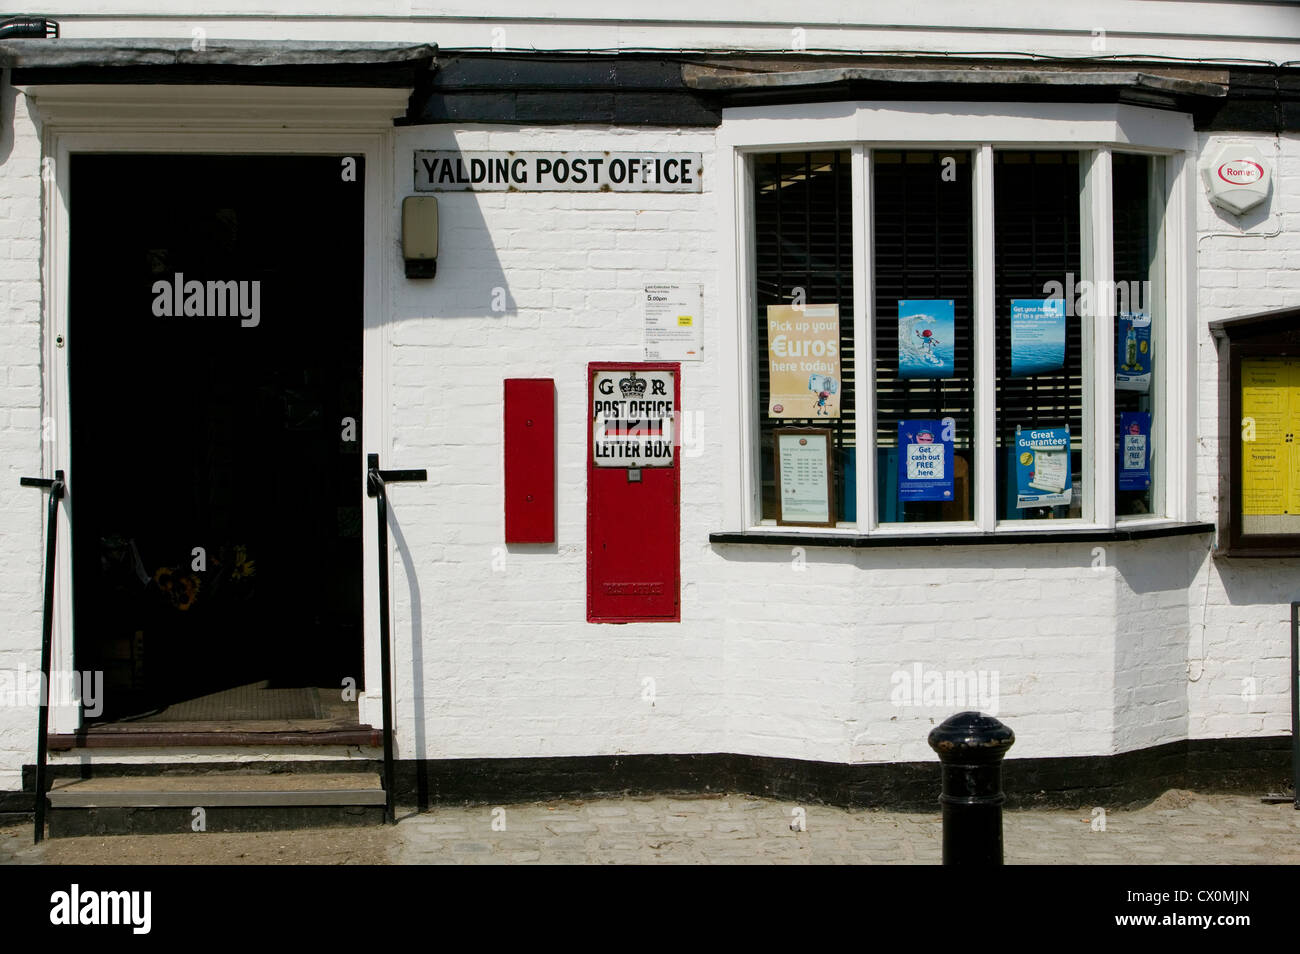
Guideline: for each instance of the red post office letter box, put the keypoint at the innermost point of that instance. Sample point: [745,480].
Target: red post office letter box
[633,492]
[530,460]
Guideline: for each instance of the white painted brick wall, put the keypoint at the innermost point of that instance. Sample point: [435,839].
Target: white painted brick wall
[768,660]
[510,665]
[1239,614]
[22,509]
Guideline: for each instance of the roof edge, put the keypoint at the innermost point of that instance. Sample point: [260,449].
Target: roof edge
[1131,79]
[81,53]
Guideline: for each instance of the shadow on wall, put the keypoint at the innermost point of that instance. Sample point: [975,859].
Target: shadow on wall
[1248,220]
[935,561]
[1153,568]
[8,116]
[1260,582]
[471,282]
[403,551]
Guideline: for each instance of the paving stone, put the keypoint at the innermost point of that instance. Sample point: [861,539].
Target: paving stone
[470,846]
[728,826]
[571,827]
[745,829]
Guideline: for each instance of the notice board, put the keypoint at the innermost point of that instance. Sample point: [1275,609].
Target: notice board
[1259,434]
[1270,450]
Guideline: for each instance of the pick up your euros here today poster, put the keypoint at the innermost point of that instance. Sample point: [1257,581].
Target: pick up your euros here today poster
[803,361]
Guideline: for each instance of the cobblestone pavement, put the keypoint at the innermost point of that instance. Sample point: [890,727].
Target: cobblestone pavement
[1178,828]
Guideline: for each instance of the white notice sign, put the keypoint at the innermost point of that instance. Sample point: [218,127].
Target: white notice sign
[672,322]
[804,477]
[632,418]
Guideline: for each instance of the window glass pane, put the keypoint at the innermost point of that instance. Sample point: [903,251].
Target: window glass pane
[803,243]
[923,273]
[1040,385]
[1138,196]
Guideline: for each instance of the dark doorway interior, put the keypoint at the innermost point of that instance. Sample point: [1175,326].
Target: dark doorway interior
[216,484]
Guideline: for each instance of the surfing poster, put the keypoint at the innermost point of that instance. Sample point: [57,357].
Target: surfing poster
[926,338]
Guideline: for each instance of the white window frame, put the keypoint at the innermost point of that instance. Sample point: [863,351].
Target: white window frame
[1097,130]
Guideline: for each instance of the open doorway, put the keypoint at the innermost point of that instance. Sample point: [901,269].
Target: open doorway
[215,350]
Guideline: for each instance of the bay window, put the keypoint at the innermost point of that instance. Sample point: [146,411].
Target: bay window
[969,310]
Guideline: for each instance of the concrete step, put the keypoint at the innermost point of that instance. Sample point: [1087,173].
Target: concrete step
[217,801]
[219,791]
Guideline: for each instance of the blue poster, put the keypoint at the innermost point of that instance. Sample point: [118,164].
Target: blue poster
[1133,363]
[926,338]
[1134,450]
[925,451]
[1037,335]
[1043,477]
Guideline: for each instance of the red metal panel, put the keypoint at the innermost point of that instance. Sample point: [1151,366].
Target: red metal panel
[530,460]
[633,526]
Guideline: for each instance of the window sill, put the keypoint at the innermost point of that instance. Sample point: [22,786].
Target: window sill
[817,538]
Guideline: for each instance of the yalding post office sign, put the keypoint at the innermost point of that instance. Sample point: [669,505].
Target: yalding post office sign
[452,171]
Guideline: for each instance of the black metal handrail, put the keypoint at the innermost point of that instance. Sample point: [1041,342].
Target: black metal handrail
[376,486]
[55,486]
[1295,701]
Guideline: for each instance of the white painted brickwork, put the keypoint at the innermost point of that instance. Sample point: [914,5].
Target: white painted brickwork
[22,509]
[778,654]
[1246,264]
[1089,659]
[511,667]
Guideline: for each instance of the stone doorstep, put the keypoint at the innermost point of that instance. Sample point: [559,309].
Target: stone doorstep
[230,790]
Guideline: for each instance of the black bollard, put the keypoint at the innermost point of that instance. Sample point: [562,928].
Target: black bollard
[971,747]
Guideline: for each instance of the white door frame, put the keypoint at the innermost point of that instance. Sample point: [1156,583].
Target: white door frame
[214,120]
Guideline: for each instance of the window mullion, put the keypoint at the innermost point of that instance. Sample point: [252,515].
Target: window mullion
[1179,352]
[984,438]
[1159,320]
[1098,336]
[746,379]
[864,341]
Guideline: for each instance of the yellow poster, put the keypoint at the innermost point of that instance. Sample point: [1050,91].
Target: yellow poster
[1270,436]
[803,361]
